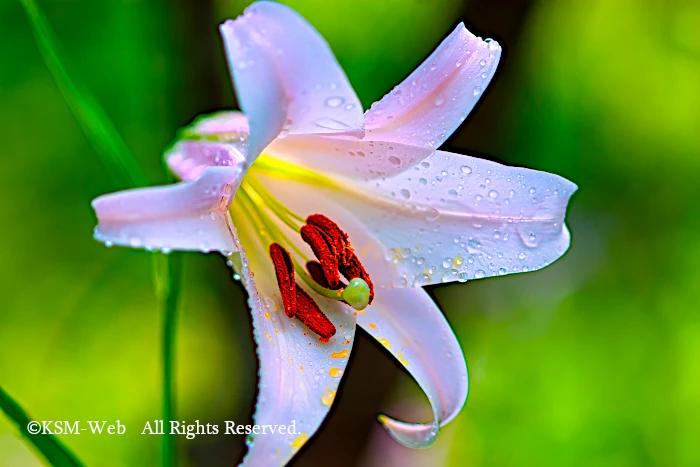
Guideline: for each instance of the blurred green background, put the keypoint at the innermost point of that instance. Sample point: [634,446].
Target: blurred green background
[592,361]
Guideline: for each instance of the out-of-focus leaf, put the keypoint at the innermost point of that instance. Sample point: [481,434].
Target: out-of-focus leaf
[48,445]
[98,128]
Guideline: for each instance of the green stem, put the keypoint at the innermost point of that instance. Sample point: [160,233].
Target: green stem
[169,272]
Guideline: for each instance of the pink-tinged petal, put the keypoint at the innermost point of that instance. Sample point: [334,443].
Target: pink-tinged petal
[451,217]
[411,326]
[190,215]
[349,158]
[455,217]
[299,375]
[286,77]
[219,139]
[429,105]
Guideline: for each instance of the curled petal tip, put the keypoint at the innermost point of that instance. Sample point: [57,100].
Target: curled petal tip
[412,435]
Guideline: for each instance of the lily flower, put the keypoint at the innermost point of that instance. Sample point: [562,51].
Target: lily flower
[335,218]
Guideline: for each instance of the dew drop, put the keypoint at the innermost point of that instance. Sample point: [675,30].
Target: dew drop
[502,271]
[395,160]
[439,100]
[521,255]
[477,90]
[422,181]
[446,263]
[421,280]
[431,214]
[335,101]
[466,169]
[479,274]
[493,194]
[452,193]
[482,62]
[405,193]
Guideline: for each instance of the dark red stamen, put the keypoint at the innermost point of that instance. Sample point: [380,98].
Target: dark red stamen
[311,315]
[339,237]
[348,263]
[324,247]
[284,270]
[316,272]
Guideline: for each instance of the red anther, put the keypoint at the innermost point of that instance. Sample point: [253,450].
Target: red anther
[284,270]
[316,271]
[348,263]
[311,315]
[339,237]
[323,246]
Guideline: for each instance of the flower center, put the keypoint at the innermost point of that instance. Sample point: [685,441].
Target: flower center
[334,256]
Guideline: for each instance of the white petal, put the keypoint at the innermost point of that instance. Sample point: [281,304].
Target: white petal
[286,77]
[190,215]
[409,324]
[429,105]
[299,376]
[456,217]
[451,217]
[346,157]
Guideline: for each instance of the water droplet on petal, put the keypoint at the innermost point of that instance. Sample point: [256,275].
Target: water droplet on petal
[482,63]
[446,263]
[466,169]
[439,100]
[405,193]
[432,214]
[421,280]
[334,101]
[479,274]
[493,194]
[395,160]
[477,90]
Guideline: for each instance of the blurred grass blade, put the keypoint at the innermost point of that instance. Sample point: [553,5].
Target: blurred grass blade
[55,452]
[125,169]
[167,270]
[98,128]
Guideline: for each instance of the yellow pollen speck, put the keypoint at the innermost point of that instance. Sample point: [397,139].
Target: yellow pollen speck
[267,315]
[342,354]
[457,261]
[373,326]
[277,331]
[404,362]
[299,441]
[335,372]
[327,397]
[301,367]
[268,336]
[384,342]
